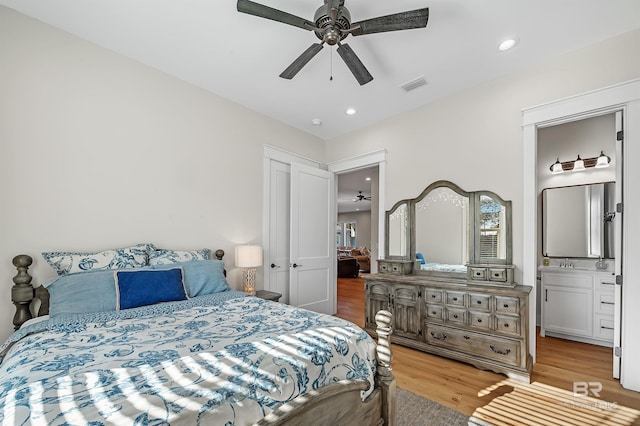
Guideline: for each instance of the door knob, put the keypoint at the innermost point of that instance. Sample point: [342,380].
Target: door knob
[273,265]
[295,265]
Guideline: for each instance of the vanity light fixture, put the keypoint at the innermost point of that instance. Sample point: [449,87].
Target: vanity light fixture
[580,164]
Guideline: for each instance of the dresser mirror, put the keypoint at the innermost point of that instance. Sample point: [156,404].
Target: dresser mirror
[397,241]
[450,230]
[577,221]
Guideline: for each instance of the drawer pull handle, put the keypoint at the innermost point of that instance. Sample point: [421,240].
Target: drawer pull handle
[433,312]
[506,305]
[500,352]
[496,274]
[455,315]
[455,299]
[466,337]
[479,320]
[607,303]
[438,336]
[479,302]
[606,328]
[433,296]
[506,325]
[607,283]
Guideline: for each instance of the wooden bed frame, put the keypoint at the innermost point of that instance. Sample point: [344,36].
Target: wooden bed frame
[335,404]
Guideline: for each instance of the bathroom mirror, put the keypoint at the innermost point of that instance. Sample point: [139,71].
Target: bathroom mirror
[397,241]
[577,221]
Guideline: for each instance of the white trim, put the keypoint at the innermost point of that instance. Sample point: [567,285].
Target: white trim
[623,96]
[366,160]
[287,157]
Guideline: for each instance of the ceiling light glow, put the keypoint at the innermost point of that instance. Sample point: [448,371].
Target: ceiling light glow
[507,44]
[316,122]
[351,111]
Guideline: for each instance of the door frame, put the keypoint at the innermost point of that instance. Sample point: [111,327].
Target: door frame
[626,97]
[376,158]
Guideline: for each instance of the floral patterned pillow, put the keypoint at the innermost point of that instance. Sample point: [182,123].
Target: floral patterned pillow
[166,257]
[121,258]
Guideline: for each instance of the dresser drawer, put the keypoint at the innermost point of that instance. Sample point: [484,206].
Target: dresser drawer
[479,302]
[480,320]
[507,305]
[478,273]
[456,316]
[433,296]
[435,312]
[455,298]
[497,274]
[508,325]
[476,344]
[606,284]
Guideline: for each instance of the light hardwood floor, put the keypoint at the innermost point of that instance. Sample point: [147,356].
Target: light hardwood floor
[495,398]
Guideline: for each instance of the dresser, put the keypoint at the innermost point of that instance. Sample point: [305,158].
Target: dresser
[486,326]
[578,305]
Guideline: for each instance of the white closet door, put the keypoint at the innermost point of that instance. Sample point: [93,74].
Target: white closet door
[277,264]
[312,278]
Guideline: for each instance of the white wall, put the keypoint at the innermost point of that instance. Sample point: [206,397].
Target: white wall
[98,151]
[474,138]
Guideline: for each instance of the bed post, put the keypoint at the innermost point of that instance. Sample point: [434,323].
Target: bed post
[384,377]
[22,291]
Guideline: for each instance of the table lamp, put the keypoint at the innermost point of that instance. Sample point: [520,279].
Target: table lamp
[248,257]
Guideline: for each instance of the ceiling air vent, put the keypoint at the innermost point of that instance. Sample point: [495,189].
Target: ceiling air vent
[414,84]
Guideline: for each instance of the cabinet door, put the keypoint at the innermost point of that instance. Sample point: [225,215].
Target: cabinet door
[406,306]
[378,297]
[568,310]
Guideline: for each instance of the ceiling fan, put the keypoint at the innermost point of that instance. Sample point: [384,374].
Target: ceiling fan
[361,197]
[332,24]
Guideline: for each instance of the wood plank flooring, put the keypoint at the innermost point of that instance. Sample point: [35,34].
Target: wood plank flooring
[498,400]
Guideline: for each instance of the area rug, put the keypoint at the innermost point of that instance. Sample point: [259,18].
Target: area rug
[415,410]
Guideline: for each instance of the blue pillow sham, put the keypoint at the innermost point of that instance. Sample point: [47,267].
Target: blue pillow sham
[147,287]
[120,258]
[201,277]
[79,293]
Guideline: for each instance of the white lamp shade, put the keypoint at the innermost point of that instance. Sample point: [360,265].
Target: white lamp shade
[248,256]
[578,164]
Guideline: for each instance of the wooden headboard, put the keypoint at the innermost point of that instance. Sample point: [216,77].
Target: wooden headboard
[24,294]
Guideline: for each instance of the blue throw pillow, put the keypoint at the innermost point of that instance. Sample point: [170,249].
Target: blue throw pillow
[147,287]
[82,292]
[201,276]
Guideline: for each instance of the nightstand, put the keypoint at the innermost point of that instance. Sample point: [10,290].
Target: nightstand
[268,295]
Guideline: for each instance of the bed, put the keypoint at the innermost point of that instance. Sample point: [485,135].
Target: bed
[217,358]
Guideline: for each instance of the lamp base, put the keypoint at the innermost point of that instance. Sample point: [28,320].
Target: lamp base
[249,281]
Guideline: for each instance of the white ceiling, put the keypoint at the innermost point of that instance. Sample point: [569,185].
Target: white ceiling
[239,56]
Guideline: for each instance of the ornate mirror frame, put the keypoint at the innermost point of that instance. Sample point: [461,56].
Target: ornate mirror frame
[476,256]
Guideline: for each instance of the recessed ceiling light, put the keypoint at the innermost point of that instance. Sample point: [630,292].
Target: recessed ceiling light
[316,122]
[351,111]
[368,178]
[508,44]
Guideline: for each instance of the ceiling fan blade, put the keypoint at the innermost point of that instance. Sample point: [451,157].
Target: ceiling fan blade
[256,9]
[301,61]
[333,9]
[358,70]
[399,21]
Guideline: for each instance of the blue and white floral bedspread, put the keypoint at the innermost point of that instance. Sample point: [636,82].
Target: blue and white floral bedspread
[213,360]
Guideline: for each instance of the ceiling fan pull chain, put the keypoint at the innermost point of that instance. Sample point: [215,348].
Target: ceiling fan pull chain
[331,65]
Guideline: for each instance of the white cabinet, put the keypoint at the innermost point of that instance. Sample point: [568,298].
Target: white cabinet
[578,305]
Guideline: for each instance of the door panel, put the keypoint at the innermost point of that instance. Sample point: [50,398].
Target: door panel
[312,275]
[279,206]
[617,313]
